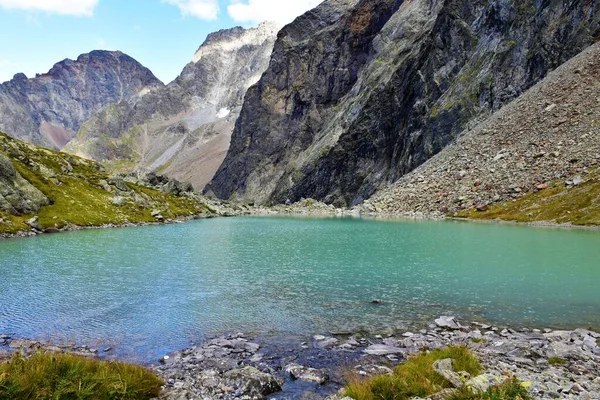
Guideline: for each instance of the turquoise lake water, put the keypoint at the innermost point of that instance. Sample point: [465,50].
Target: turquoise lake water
[155,289]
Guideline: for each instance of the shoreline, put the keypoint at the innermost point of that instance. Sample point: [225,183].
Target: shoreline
[315,210]
[551,363]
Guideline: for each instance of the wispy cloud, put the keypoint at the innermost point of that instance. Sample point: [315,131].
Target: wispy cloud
[78,8]
[203,9]
[281,11]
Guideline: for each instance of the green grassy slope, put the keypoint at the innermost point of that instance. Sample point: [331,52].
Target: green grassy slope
[82,194]
[558,203]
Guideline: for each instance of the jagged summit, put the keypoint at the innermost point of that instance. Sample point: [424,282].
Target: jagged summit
[235,38]
[183,129]
[50,108]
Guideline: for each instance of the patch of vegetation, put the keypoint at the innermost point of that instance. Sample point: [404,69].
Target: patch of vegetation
[65,377]
[557,361]
[416,377]
[578,205]
[512,389]
[77,189]
[478,340]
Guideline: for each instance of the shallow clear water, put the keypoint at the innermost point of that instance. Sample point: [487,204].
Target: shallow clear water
[156,289]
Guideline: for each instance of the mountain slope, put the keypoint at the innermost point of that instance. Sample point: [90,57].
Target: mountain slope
[64,191]
[537,158]
[183,129]
[358,93]
[50,108]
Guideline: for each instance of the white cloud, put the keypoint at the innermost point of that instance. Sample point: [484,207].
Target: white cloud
[78,8]
[203,9]
[281,11]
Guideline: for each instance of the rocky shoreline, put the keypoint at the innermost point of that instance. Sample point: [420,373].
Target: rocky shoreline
[552,364]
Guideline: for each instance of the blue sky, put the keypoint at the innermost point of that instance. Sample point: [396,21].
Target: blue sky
[161,34]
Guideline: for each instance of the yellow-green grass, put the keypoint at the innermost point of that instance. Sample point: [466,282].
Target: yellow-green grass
[77,195]
[578,205]
[512,389]
[557,361]
[416,377]
[56,376]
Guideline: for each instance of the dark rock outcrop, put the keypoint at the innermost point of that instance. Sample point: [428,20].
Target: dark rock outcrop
[50,108]
[360,92]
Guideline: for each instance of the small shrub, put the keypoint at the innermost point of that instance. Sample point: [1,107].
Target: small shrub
[478,340]
[59,376]
[557,361]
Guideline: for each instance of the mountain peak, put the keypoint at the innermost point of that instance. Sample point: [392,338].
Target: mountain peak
[233,39]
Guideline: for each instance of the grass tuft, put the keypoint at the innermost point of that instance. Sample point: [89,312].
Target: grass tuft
[557,361]
[512,389]
[56,376]
[416,377]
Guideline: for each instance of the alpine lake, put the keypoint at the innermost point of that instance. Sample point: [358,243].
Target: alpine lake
[151,290]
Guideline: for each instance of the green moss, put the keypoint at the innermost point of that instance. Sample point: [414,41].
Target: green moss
[478,340]
[64,376]
[416,377]
[579,205]
[557,361]
[77,194]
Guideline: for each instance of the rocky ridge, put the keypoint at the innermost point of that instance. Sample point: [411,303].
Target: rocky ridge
[550,133]
[358,93]
[50,108]
[183,129]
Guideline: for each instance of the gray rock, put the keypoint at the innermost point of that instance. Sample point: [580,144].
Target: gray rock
[444,368]
[482,382]
[447,322]
[119,201]
[307,374]
[382,350]
[328,343]
[251,382]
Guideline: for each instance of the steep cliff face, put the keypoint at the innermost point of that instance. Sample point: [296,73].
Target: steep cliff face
[183,129]
[358,93]
[50,108]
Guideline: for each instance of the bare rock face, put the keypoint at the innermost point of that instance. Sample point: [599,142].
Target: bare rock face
[17,195]
[549,133]
[183,129]
[50,108]
[360,92]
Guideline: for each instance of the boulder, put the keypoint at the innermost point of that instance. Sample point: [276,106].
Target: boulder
[306,374]
[447,322]
[383,350]
[250,382]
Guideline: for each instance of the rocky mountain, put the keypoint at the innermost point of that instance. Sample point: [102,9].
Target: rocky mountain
[360,92]
[50,108]
[183,130]
[538,158]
